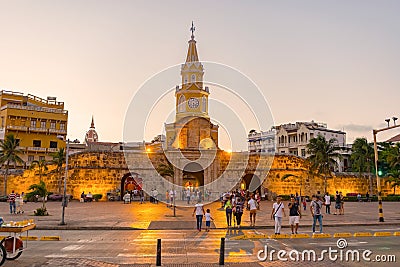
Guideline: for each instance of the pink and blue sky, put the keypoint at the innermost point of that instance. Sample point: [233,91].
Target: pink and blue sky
[330,61]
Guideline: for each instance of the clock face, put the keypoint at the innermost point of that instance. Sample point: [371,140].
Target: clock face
[193,102]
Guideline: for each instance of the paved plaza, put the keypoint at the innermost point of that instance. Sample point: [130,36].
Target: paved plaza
[115,234]
[116,215]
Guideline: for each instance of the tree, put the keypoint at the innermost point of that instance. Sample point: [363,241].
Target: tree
[41,166]
[9,154]
[38,190]
[59,159]
[394,179]
[362,158]
[167,170]
[392,155]
[323,155]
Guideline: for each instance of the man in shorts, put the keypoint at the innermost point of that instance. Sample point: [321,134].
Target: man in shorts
[294,215]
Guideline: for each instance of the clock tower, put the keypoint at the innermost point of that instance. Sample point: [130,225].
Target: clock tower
[192,128]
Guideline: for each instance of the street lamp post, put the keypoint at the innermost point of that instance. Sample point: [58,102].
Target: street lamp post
[378,179]
[65,201]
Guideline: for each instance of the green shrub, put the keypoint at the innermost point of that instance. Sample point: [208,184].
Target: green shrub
[285,197]
[41,212]
[391,198]
[96,197]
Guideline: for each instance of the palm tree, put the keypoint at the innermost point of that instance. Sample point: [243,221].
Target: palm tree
[362,157]
[59,159]
[167,170]
[322,155]
[9,154]
[39,190]
[392,155]
[41,166]
[394,179]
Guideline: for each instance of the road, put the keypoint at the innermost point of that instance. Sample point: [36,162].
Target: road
[128,247]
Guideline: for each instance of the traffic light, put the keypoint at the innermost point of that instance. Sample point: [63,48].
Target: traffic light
[382,168]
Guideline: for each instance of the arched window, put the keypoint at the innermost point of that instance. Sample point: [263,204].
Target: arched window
[186,79]
[204,104]
[193,78]
[182,104]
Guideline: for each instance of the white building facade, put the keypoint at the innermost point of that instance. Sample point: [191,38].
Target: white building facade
[293,138]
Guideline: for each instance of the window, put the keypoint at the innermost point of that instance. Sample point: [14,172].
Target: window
[53,144]
[42,124]
[62,126]
[204,104]
[33,124]
[41,158]
[37,143]
[2,122]
[303,153]
[182,104]
[193,78]
[17,141]
[31,158]
[52,125]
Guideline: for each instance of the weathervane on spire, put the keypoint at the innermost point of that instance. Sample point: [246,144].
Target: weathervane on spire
[192,29]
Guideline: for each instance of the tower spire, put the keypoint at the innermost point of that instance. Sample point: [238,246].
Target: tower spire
[192,29]
[192,50]
[92,124]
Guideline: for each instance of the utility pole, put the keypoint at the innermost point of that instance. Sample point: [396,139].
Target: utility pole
[378,179]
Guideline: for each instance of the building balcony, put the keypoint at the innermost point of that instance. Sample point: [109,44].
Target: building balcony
[52,150]
[17,128]
[34,108]
[34,129]
[37,149]
[56,131]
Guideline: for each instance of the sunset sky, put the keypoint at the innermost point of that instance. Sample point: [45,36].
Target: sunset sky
[336,62]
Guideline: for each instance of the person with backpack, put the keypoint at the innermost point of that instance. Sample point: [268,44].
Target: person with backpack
[338,203]
[315,207]
[239,210]
[278,208]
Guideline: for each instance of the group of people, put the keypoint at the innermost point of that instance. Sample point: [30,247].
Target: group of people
[86,197]
[16,202]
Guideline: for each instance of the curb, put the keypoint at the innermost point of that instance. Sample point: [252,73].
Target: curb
[124,228]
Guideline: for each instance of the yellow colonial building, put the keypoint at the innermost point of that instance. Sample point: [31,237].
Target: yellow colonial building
[36,123]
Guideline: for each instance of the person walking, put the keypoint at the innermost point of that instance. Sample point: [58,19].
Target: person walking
[327,203]
[228,211]
[294,215]
[278,211]
[199,211]
[141,193]
[188,196]
[208,220]
[338,204]
[252,203]
[341,203]
[11,200]
[239,204]
[315,207]
[155,196]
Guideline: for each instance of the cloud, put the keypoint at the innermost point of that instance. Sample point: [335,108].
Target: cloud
[356,128]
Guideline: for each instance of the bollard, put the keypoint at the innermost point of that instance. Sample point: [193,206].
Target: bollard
[222,252]
[158,260]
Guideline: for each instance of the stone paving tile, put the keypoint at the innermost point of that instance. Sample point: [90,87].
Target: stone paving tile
[115,215]
[68,262]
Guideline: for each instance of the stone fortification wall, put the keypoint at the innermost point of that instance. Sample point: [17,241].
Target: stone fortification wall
[100,172]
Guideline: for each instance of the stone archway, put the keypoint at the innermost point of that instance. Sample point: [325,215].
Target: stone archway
[251,182]
[130,182]
[193,176]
